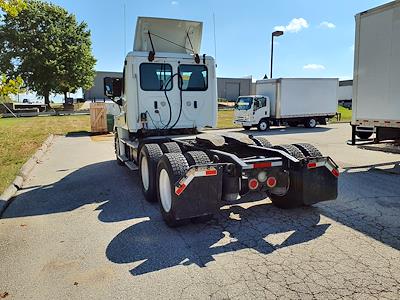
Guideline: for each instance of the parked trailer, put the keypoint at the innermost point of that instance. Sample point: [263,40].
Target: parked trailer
[288,101]
[165,97]
[376,90]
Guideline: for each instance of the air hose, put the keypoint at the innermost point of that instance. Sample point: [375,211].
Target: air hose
[180,80]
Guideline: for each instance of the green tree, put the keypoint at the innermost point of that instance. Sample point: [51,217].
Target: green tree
[49,49]
[12,7]
[9,85]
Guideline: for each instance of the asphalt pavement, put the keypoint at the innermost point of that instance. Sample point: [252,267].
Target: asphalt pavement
[81,229]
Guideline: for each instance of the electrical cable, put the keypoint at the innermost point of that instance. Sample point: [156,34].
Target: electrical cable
[166,96]
[152,121]
[180,83]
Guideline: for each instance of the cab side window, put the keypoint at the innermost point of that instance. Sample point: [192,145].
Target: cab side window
[262,101]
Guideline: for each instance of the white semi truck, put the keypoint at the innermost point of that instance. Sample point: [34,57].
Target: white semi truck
[376,86]
[291,101]
[167,93]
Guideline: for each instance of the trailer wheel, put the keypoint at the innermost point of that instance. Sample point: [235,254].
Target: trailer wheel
[364,135]
[171,167]
[263,125]
[197,158]
[291,150]
[310,123]
[170,147]
[149,156]
[246,127]
[308,150]
[116,148]
[262,141]
[287,201]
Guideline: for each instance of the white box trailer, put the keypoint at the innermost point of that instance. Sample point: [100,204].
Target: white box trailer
[291,101]
[376,90]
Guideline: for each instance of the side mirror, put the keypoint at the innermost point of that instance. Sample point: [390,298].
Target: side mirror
[112,87]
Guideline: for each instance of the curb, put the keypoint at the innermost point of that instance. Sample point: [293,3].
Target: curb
[8,195]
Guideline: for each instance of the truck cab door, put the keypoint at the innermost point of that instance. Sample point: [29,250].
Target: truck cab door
[261,108]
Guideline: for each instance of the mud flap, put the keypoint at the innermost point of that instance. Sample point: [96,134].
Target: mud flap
[318,185]
[201,196]
[310,186]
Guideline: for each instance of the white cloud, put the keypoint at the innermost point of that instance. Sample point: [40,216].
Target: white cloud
[174,2]
[295,25]
[328,25]
[313,67]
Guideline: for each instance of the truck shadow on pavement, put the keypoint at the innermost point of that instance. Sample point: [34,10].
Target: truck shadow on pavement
[260,228]
[112,187]
[369,202]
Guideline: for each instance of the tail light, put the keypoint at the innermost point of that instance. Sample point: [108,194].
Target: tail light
[271,182]
[253,184]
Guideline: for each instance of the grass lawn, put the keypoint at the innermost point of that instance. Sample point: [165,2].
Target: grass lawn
[20,138]
[346,115]
[225,119]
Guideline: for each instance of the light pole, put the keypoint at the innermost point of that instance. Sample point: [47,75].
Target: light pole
[275,33]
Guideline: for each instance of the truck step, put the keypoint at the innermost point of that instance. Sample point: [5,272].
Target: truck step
[131,166]
[130,143]
[122,158]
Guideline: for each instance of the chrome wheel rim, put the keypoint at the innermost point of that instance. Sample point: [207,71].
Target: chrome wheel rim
[144,169]
[165,190]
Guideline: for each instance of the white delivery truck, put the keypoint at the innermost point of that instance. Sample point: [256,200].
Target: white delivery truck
[376,87]
[290,101]
[168,92]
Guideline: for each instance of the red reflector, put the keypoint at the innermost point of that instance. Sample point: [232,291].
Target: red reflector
[262,165]
[311,165]
[335,172]
[271,182]
[180,189]
[253,184]
[211,172]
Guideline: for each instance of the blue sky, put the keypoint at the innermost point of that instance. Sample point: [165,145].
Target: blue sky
[318,39]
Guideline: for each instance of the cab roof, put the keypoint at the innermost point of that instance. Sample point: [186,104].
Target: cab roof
[168,35]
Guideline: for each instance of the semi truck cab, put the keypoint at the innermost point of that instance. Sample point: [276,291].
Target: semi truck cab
[169,92]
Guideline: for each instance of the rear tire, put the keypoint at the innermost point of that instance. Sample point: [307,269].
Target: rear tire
[149,156]
[262,141]
[197,158]
[263,125]
[293,197]
[291,150]
[363,135]
[171,167]
[246,127]
[116,148]
[170,147]
[308,150]
[310,123]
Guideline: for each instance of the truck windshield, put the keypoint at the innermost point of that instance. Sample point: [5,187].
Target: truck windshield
[244,103]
